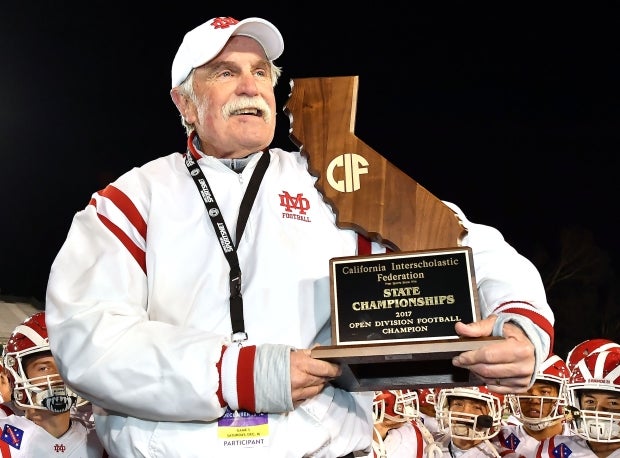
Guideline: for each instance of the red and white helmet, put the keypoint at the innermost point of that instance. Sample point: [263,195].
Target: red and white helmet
[587,347]
[598,372]
[464,425]
[46,392]
[553,370]
[426,397]
[395,405]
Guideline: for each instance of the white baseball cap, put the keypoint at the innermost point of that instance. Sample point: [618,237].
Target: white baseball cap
[203,43]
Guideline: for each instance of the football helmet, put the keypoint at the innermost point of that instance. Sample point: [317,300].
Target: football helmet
[554,370]
[464,425]
[47,392]
[426,397]
[587,347]
[598,372]
[395,405]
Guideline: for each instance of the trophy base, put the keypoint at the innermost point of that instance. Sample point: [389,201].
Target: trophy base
[407,365]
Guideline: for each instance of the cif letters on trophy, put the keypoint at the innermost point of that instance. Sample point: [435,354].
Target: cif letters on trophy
[393,314]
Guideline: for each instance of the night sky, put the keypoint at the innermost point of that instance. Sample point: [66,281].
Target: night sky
[514,115]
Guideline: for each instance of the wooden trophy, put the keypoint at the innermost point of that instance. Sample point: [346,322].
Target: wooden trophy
[392,314]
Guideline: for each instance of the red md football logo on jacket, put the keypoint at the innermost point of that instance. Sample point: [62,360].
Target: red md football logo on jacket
[298,203]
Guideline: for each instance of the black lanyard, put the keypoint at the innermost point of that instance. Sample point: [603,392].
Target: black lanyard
[227,245]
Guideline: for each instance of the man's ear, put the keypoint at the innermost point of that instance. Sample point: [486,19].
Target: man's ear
[185,105]
[180,100]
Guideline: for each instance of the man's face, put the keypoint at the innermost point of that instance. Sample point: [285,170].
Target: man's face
[5,386]
[469,407]
[240,72]
[601,419]
[540,399]
[41,366]
[602,401]
[39,369]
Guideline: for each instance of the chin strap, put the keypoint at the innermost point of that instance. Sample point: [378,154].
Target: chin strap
[378,446]
[432,449]
[540,426]
[492,448]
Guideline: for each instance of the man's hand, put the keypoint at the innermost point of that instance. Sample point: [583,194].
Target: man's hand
[309,375]
[506,366]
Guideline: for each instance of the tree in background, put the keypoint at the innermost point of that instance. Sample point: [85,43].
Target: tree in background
[581,287]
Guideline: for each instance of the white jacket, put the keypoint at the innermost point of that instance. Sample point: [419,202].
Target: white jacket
[137,305]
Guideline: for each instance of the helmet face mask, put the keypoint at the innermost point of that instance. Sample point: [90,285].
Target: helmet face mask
[407,404]
[549,408]
[523,404]
[465,425]
[593,394]
[597,426]
[395,405]
[27,344]
[46,393]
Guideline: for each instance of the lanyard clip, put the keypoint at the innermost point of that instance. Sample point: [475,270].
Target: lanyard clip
[239,337]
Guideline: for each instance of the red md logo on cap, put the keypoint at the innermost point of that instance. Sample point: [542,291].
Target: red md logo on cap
[223,22]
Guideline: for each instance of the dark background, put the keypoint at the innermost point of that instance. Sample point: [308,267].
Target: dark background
[511,113]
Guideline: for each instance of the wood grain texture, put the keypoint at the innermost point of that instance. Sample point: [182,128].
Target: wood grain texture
[389,207]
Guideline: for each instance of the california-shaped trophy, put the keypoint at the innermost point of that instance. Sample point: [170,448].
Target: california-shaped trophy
[393,314]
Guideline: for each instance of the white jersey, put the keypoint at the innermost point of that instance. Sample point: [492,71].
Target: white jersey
[24,438]
[512,420]
[515,438]
[484,449]
[138,308]
[557,446]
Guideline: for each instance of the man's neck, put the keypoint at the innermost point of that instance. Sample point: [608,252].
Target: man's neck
[603,449]
[56,424]
[234,160]
[237,164]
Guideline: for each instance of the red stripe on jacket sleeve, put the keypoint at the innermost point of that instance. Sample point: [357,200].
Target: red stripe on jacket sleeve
[535,317]
[137,252]
[126,206]
[245,378]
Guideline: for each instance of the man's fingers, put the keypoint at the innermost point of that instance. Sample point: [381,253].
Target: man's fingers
[299,395]
[499,354]
[309,375]
[303,362]
[505,366]
[480,328]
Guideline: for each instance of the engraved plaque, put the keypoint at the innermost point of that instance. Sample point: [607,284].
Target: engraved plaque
[402,297]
